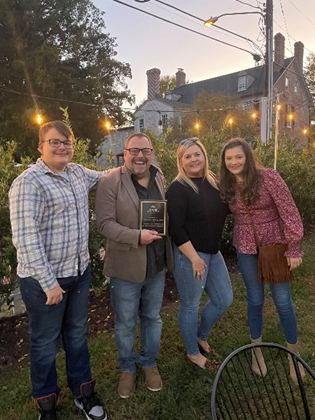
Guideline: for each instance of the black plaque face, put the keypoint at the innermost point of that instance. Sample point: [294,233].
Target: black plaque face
[153,215]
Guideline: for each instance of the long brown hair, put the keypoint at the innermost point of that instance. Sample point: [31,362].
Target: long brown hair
[251,174]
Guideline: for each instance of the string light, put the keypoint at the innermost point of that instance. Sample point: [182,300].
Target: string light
[38,117]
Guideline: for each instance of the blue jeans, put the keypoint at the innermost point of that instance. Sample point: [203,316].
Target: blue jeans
[47,323]
[217,286]
[281,296]
[130,299]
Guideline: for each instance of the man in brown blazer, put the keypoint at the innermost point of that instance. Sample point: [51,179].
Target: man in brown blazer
[135,260]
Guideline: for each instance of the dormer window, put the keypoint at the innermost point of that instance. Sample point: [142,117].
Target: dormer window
[241,85]
[141,125]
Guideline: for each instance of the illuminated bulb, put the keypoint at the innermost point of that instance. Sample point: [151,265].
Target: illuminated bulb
[107,125]
[254,115]
[211,21]
[231,121]
[197,126]
[39,119]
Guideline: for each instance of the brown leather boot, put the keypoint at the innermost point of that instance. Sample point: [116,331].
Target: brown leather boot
[258,362]
[294,348]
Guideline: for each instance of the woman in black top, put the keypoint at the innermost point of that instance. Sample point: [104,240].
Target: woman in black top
[196,219]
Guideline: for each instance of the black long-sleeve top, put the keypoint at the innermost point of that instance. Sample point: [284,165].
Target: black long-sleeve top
[198,218]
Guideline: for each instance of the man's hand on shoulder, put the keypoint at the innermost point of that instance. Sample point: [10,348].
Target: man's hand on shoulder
[148,236]
[54,295]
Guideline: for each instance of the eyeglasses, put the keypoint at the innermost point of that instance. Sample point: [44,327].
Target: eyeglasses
[55,143]
[190,139]
[134,151]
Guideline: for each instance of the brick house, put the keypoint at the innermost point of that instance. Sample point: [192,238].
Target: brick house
[289,89]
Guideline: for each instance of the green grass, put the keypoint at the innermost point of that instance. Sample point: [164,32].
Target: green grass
[187,389]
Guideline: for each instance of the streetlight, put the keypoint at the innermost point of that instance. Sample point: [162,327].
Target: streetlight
[266,117]
[212,20]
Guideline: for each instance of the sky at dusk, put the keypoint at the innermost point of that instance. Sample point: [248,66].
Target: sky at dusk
[146,42]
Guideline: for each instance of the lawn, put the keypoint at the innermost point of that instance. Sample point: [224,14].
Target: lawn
[187,389]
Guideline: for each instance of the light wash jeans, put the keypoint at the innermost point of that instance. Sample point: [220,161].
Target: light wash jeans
[47,323]
[281,296]
[217,286]
[130,300]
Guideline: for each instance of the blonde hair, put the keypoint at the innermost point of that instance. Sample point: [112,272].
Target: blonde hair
[182,177]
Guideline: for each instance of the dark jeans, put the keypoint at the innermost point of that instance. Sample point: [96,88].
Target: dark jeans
[47,323]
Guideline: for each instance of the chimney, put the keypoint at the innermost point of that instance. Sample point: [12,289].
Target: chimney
[180,77]
[153,76]
[279,52]
[298,53]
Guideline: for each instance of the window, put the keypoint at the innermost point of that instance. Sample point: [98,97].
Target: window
[289,116]
[296,88]
[287,84]
[241,83]
[164,121]
[141,125]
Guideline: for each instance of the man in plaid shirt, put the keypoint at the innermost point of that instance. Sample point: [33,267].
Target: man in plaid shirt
[50,224]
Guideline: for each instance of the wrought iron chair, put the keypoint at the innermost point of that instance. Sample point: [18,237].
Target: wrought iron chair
[238,393]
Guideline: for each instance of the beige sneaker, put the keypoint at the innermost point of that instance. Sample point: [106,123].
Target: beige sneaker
[126,386]
[153,379]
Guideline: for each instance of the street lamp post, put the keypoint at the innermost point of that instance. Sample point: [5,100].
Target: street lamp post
[212,20]
[268,70]
[266,104]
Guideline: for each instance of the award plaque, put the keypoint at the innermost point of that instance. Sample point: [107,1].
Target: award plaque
[153,215]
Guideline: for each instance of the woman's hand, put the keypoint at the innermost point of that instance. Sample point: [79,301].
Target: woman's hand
[198,264]
[199,268]
[294,262]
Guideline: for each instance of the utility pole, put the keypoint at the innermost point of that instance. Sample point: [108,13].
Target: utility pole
[266,131]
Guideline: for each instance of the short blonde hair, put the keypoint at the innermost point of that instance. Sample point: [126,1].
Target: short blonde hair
[182,177]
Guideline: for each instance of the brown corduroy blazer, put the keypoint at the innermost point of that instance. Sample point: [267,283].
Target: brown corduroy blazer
[117,217]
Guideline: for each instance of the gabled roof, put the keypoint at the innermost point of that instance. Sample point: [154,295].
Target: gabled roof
[171,103]
[227,85]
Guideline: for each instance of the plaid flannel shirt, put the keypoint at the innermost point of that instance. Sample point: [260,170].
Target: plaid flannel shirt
[50,221]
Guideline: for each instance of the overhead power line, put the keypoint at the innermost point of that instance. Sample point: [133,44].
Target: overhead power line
[184,27]
[214,25]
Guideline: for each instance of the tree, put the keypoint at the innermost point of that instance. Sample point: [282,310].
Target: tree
[310,80]
[54,54]
[167,83]
[212,112]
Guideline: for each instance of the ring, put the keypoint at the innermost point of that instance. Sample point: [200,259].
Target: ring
[199,274]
